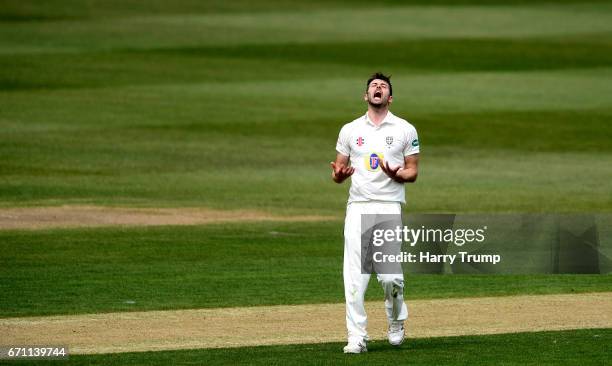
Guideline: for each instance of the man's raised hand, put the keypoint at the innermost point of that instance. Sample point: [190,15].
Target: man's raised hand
[391,172]
[341,172]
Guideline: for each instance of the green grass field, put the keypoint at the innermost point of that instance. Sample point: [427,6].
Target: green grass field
[579,347]
[223,106]
[105,270]
[237,105]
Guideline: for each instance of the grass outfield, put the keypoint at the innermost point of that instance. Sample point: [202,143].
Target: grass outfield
[576,347]
[238,105]
[113,269]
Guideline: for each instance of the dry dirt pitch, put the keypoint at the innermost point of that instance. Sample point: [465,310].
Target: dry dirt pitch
[270,325]
[71,216]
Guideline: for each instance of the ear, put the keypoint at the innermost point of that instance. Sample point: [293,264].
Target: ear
[390,99]
[365,96]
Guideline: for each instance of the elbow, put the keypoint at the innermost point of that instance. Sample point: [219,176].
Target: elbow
[412,178]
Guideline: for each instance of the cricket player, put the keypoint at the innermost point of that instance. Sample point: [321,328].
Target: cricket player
[380,152]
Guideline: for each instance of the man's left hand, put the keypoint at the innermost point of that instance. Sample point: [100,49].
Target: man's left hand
[392,172]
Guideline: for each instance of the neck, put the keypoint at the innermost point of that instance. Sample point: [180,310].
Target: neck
[377,113]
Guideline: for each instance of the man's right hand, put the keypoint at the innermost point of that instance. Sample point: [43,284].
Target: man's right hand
[341,171]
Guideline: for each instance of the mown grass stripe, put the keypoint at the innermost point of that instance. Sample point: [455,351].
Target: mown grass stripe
[97,270]
[574,347]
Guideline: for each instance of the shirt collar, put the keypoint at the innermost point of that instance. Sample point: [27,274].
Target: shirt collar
[388,119]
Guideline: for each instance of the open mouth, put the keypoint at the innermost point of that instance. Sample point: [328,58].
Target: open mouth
[377,94]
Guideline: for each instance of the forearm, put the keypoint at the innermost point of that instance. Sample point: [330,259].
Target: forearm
[406,175]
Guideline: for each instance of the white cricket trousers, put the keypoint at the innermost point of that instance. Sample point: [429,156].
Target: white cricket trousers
[356,283]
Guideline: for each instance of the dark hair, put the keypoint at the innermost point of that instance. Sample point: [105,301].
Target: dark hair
[383,77]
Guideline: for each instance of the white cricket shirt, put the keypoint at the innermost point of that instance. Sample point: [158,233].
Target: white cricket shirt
[367,144]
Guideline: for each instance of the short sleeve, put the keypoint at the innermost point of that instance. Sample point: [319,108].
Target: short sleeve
[343,145]
[412,142]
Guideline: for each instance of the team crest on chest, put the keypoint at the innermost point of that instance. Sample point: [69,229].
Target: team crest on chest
[360,141]
[389,140]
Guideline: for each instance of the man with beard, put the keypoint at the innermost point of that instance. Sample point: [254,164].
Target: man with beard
[380,152]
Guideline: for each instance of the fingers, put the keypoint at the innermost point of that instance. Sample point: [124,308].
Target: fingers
[347,170]
[389,170]
[384,169]
[392,170]
[337,169]
[342,170]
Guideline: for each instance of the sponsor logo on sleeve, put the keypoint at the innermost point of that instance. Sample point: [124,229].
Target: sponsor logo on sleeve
[415,142]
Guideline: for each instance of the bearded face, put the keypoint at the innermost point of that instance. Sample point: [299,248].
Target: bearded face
[378,94]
